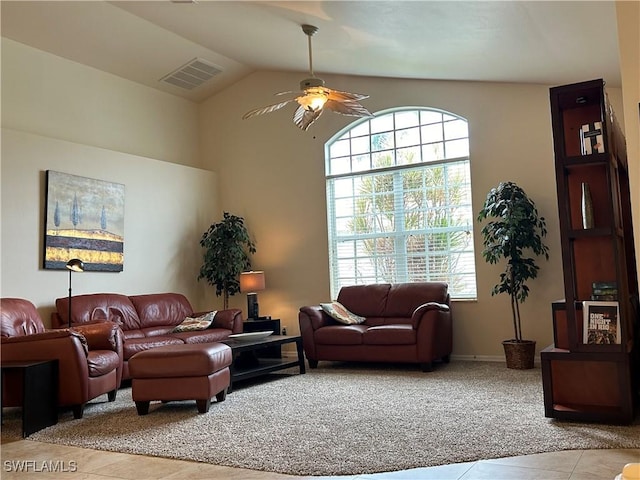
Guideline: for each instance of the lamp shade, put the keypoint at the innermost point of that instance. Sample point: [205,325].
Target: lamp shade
[251,281]
[75,265]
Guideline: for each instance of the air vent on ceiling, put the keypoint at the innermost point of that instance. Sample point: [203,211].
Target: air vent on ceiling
[192,74]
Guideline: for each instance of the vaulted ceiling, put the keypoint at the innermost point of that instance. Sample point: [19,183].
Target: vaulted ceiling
[545,42]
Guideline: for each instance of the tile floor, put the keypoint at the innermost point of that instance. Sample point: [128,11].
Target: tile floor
[98,465]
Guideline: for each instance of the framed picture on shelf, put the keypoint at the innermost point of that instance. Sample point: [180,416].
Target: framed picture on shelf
[601,323]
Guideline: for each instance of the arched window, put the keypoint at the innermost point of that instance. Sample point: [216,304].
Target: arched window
[399,201]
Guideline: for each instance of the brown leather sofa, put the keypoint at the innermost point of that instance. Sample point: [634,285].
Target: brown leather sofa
[405,323]
[89,356]
[146,321]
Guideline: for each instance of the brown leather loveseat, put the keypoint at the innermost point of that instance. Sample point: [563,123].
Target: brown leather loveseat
[147,321]
[404,323]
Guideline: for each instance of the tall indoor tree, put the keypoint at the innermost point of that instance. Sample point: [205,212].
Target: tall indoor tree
[227,249]
[514,234]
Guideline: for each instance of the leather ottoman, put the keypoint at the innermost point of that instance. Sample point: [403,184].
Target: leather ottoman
[180,372]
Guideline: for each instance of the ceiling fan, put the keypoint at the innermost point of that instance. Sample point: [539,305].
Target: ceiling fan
[313,97]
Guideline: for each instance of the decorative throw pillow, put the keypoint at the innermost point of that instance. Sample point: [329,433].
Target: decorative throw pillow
[191,324]
[337,311]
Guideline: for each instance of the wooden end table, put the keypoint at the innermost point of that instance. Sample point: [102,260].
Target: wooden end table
[39,392]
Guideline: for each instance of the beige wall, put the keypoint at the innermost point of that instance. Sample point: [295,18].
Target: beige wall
[274,176]
[58,98]
[628,14]
[63,116]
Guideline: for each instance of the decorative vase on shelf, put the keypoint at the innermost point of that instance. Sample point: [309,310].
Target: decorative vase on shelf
[587,207]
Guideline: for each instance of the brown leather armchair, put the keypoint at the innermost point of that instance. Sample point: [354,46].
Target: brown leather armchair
[89,356]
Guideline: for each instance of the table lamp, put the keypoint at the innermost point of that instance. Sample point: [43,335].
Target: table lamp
[250,283]
[74,265]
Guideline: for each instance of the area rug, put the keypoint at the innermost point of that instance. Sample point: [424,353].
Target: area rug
[345,419]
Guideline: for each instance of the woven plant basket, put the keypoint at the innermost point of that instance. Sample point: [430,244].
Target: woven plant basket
[519,355]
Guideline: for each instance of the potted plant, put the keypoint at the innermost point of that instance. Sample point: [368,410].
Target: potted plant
[515,229]
[227,247]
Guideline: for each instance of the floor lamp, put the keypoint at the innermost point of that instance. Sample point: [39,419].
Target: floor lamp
[250,283]
[74,265]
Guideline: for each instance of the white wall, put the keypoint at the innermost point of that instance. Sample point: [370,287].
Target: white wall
[274,177]
[59,115]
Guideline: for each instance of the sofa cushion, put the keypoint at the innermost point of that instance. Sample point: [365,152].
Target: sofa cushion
[210,335]
[135,345]
[365,300]
[404,298]
[340,335]
[19,317]
[128,334]
[338,312]
[190,324]
[101,362]
[377,321]
[399,334]
[99,307]
[161,309]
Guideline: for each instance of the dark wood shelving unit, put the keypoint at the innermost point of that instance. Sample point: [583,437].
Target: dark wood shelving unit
[582,381]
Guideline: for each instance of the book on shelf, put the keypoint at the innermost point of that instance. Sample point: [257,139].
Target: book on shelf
[604,285]
[604,291]
[601,323]
[591,139]
[605,298]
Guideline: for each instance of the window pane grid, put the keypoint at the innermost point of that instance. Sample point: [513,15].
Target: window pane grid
[413,220]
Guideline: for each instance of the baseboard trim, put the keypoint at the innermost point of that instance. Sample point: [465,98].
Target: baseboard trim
[479,358]
[488,358]
[466,358]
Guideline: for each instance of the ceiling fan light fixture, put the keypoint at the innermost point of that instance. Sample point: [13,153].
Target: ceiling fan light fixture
[313,99]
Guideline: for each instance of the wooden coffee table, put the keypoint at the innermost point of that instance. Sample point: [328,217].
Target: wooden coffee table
[247,362]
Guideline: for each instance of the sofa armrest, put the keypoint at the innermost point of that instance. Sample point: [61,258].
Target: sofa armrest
[68,347]
[49,335]
[434,331]
[315,316]
[230,319]
[419,312]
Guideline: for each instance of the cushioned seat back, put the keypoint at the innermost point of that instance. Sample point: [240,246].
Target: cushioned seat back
[99,307]
[386,303]
[19,317]
[404,298]
[161,309]
[365,300]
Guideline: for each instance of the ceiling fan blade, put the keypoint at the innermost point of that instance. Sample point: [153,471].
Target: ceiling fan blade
[298,92]
[267,109]
[353,109]
[303,118]
[345,96]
